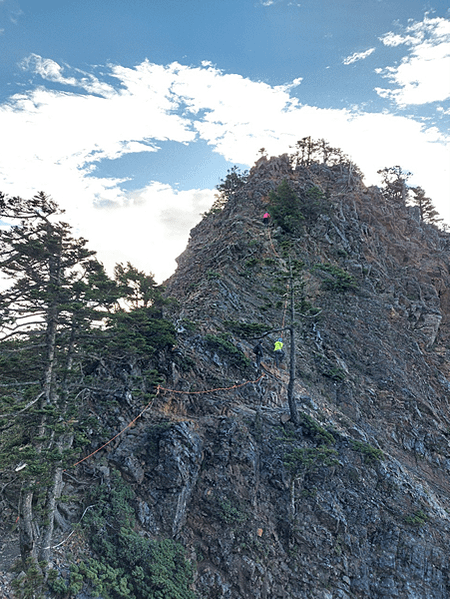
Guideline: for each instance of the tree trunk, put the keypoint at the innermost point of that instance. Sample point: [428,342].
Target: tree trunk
[53,494]
[27,532]
[291,400]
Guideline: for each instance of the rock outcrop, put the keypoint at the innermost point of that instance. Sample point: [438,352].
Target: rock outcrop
[351,501]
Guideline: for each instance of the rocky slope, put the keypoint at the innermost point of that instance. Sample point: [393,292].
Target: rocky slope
[351,502]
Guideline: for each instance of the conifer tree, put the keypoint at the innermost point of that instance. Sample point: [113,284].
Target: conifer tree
[428,212]
[394,181]
[234,180]
[285,208]
[55,291]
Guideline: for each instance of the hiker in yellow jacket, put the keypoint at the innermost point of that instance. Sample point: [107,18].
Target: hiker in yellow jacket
[278,352]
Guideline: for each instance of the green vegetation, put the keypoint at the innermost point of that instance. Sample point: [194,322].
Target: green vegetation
[285,208]
[234,180]
[69,335]
[339,280]
[225,348]
[246,330]
[189,325]
[212,275]
[427,209]
[371,454]
[310,459]
[291,209]
[230,514]
[306,308]
[308,151]
[335,373]
[251,262]
[32,585]
[312,429]
[128,565]
[314,203]
[419,518]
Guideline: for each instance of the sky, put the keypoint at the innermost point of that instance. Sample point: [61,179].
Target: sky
[129,113]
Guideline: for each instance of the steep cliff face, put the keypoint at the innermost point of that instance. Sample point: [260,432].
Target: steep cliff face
[353,501]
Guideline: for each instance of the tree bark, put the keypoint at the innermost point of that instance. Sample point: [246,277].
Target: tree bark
[53,494]
[291,400]
[27,532]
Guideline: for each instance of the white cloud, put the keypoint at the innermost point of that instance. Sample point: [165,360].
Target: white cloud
[46,68]
[53,141]
[150,229]
[287,86]
[423,75]
[358,56]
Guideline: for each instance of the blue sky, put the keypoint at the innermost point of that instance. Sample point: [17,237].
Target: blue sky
[129,113]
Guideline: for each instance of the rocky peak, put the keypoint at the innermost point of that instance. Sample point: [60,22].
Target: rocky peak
[353,502]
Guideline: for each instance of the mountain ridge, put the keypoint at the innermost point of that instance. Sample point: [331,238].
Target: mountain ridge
[347,500]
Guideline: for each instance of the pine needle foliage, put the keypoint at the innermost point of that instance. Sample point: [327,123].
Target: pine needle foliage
[285,208]
[127,565]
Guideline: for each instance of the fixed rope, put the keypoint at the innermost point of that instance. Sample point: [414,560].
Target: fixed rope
[237,386]
[160,389]
[150,403]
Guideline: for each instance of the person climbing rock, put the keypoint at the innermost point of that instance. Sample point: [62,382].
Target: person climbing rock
[266,219]
[259,352]
[278,352]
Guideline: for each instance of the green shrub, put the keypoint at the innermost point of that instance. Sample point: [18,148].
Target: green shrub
[419,518]
[340,280]
[223,346]
[231,514]
[212,275]
[285,208]
[128,565]
[371,454]
[314,204]
[246,330]
[315,431]
[310,459]
[251,262]
[31,585]
[335,373]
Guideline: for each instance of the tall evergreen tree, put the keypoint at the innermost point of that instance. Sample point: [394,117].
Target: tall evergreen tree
[55,292]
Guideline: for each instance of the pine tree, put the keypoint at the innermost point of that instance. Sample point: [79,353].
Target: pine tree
[234,180]
[395,186]
[55,292]
[428,212]
[285,208]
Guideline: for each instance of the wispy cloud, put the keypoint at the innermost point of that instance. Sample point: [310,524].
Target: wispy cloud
[53,140]
[358,56]
[287,86]
[47,69]
[52,71]
[423,75]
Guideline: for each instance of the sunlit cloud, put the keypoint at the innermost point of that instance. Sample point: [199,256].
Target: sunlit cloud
[54,140]
[356,56]
[423,75]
